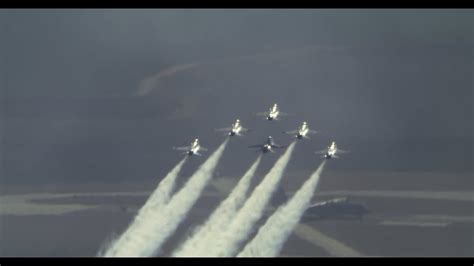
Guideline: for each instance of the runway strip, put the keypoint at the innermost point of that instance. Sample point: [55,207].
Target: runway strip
[331,245]
[425,220]
[408,223]
[445,218]
[431,195]
[21,204]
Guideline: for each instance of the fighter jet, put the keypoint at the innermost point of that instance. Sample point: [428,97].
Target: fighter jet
[339,208]
[302,131]
[268,146]
[194,148]
[331,151]
[272,113]
[235,129]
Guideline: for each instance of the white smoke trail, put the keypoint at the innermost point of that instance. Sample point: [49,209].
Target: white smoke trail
[161,223]
[220,218]
[274,233]
[227,243]
[158,199]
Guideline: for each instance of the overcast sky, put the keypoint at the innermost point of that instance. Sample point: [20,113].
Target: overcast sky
[392,86]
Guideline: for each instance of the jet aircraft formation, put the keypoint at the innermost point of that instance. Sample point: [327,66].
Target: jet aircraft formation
[273,113]
[164,211]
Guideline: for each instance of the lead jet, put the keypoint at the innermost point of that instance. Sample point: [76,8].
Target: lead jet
[331,151]
[193,149]
[302,131]
[272,113]
[235,129]
[268,146]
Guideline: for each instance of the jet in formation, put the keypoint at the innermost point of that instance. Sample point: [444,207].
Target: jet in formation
[267,146]
[235,129]
[302,131]
[193,149]
[273,113]
[331,151]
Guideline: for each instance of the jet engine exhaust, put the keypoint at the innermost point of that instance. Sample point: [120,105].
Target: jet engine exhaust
[163,222]
[228,242]
[274,233]
[220,219]
[157,200]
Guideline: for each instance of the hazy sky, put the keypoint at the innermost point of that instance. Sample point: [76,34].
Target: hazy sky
[392,86]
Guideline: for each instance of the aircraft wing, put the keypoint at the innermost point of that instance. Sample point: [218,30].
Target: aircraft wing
[321,152]
[223,129]
[312,131]
[283,113]
[185,148]
[256,146]
[278,146]
[203,148]
[291,132]
[262,114]
[342,151]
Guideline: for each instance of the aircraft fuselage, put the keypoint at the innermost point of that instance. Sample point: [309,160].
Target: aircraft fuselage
[236,128]
[331,151]
[266,148]
[302,131]
[273,112]
[194,147]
